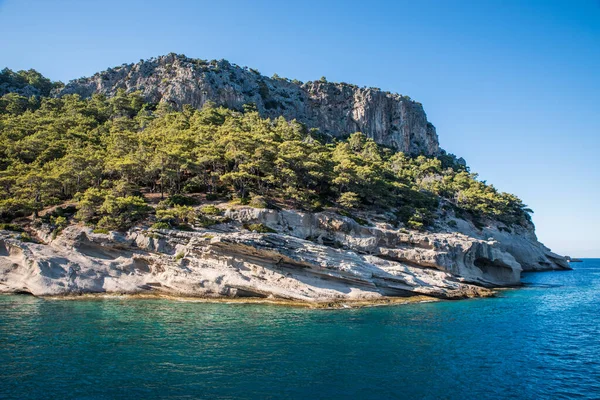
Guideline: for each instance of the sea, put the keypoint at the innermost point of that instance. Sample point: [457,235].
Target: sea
[541,341]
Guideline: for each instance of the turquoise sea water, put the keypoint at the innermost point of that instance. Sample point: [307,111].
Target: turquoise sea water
[542,341]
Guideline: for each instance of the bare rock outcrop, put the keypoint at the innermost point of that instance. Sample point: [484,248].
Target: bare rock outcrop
[318,257]
[475,260]
[520,241]
[337,109]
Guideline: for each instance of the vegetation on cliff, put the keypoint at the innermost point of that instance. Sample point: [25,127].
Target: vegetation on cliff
[106,153]
[11,81]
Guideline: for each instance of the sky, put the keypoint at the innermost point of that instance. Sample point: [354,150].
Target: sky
[512,86]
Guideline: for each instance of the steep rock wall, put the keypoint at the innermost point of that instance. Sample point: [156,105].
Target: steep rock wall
[337,109]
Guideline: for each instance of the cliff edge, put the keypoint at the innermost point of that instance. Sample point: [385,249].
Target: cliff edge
[336,109]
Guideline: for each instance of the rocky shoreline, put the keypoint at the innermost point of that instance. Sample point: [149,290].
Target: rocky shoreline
[322,305]
[319,260]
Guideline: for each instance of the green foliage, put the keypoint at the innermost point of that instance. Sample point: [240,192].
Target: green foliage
[20,79]
[10,227]
[210,210]
[179,256]
[178,215]
[58,223]
[184,227]
[104,152]
[160,225]
[65,211]
[25,237]
[104,209]
[122,212]
[11,208]
[89,204]
[103,231]
[258,202]
[260,228]
[349,200]
[181,200]
[206,222]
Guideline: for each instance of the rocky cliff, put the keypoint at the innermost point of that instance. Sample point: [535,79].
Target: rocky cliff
[337,109]
[308,257]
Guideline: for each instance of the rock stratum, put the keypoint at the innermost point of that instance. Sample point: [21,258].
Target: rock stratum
[308,257]
[337,109]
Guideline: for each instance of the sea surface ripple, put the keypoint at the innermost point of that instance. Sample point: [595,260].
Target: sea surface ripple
[540,341]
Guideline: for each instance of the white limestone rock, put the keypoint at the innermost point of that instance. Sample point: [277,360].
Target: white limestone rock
[336,109]
[312,257]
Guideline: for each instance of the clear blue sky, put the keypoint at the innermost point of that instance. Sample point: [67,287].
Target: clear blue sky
[512,86]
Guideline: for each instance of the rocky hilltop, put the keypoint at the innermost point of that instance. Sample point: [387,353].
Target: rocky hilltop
[337,109]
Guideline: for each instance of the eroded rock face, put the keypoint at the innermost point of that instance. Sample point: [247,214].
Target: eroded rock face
[311,257]
[217,265]
[478,261]
[520,241]
[336,109]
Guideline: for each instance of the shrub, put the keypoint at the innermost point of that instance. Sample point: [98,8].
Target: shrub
[205,222]
[260,228]
[89,204]
[13,208]
[101,231]
[160,225]
[315,206]
[59,223]
[212,196]
[210,210]
[64,211]
[177,215]
[258,202]
[181,200]
[194,185]
[349,200]
[11,227]
[122,212]
[478,223]
[25,237]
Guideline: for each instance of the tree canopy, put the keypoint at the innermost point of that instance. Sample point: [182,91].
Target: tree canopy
[106,152]
[11,81]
